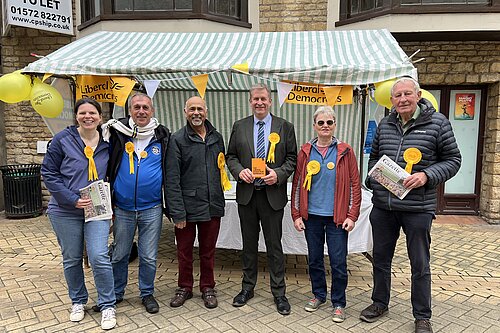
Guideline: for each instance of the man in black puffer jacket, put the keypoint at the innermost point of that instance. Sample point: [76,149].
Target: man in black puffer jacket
[413,123]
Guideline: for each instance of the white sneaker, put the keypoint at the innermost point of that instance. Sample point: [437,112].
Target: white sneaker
[77,312]
[108,318]
[338,314]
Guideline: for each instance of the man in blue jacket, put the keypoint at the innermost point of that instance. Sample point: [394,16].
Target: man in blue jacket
[412,133]
[138,151]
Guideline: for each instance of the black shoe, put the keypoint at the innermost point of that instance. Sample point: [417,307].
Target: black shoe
[372,313]
[98,309]
[282,305]
[242,298]
[423,326]
[150,304]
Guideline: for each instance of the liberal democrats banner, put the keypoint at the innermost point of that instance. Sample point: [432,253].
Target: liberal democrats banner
[316,94]
[112,89]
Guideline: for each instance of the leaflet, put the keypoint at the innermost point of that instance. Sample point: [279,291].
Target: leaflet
[100,194]
[390,175]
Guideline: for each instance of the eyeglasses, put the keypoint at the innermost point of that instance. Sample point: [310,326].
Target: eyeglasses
[328,122]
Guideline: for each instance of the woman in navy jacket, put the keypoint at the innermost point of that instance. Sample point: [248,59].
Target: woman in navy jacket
[67,167]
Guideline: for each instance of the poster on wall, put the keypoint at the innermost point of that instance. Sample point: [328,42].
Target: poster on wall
[465,106]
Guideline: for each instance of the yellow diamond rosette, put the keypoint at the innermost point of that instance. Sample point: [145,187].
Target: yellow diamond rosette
[411,156]
[224,180]
[312,169]
[89,153]
[274,138]
[129,148]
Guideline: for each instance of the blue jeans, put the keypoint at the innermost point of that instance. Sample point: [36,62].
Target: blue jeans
[149,223]
[71,232]
[317,227]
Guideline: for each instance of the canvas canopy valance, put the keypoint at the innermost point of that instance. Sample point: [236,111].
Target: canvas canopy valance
[323,57]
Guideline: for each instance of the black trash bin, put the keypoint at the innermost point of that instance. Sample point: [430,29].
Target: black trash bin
[22,190]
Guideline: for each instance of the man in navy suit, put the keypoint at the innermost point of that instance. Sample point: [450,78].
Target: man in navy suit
[261,201]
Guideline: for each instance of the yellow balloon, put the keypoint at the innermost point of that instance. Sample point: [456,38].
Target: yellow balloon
[14,87]
[428,96]
[46,100]
[383,93]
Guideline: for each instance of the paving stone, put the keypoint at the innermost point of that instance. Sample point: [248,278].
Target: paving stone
[466,288]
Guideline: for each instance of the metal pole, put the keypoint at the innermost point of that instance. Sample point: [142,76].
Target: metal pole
[363,134]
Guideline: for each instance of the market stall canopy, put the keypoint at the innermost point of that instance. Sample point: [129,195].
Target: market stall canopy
[349,57]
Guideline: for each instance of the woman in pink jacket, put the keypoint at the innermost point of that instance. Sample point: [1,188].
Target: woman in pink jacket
[326,199]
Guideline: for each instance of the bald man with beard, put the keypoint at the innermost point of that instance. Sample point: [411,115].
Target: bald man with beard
[195,199]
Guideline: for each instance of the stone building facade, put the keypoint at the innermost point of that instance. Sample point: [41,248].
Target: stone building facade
[293,15]
[22,127]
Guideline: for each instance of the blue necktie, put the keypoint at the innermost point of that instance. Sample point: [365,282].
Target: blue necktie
[261,147]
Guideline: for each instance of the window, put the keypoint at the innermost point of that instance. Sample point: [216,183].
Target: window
[444,2]
[229,8]
[137,5]
[90,9]
[359,10]
[226,11]
[360,6]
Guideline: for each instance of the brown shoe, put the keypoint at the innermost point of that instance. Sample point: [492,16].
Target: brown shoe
[181,295]
[210,298]
[423,326]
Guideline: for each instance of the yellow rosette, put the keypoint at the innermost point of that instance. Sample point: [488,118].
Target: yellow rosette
[89,153]
[129,148]
[312,169]
[411,156]
[274,138]
[224,180]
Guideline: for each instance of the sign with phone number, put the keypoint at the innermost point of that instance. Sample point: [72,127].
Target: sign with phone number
[49,15]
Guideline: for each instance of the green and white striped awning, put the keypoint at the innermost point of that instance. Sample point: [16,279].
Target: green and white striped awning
[325,57]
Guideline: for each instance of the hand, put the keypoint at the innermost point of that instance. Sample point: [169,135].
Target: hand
[271,178]
[348,224]
[416,180]
[299,225]
[82,203]
[180,225]
[246,176]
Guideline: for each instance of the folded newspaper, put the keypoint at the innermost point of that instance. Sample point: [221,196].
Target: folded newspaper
[390,175]
[100,194]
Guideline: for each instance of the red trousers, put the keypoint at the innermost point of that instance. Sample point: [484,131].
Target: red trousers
[208,231]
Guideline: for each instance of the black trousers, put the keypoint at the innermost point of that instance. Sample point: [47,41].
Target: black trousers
[259,213]
[386,226]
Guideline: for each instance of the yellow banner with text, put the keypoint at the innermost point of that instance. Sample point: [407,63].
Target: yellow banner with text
[317,94]
[112,89]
